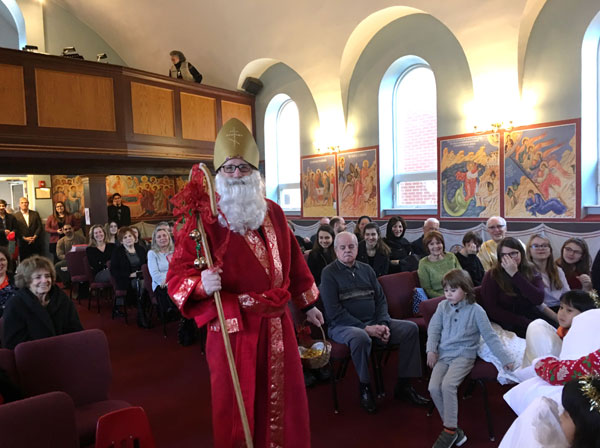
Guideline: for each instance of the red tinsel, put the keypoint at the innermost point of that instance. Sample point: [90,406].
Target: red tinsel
[194,199]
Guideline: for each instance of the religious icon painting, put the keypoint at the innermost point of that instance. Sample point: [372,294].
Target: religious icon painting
[69,191]
[147,196]
[318,181]
[358,183]
[469,176]
[540,172]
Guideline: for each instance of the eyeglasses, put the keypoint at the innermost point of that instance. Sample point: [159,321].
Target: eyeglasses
[540,246]
[513,254]
[498,227]
[573,251]
[243,167]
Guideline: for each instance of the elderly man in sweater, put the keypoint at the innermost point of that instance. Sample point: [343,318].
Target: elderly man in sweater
[357,314]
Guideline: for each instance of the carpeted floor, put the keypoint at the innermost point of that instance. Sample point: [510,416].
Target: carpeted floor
[171,383]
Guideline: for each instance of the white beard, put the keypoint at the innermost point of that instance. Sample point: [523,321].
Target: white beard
[242,202]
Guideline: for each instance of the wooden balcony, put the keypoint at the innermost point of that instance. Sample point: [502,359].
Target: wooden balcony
[76,115]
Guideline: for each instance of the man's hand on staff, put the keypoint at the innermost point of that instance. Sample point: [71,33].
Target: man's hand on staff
[315,317]
[211,280]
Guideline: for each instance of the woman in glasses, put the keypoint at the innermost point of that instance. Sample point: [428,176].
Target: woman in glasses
[575,261]
[512,290]
[539,252]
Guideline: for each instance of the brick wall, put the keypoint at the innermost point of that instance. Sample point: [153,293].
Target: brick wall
[416,135]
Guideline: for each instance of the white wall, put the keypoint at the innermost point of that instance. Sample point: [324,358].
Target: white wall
[9,37]
[62,29]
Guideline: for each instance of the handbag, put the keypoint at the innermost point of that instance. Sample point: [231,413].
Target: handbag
[419,296]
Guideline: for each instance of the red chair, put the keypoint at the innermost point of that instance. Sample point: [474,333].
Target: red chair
[153,300]
[46,420]
[77,364]
[76,263]
[119,297]
[398,289]
[482,371]
[97,289]
[125,428]
[340,355]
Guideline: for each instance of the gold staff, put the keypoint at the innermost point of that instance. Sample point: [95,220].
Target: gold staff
[219,304]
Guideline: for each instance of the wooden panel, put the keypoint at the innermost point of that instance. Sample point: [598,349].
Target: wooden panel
[75,101]
[198,117]
[152,109]
[12,95]
[242,112]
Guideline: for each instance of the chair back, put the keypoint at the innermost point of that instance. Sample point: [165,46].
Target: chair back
[125,428]
[43,420]
[428,307]
[147,280]
[77,264]
[1,330]
[76,363]
[398,289]
[7,363]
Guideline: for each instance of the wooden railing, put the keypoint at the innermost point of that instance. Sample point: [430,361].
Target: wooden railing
[74,109]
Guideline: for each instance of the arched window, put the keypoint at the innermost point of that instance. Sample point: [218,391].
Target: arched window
[282,152]
[414,129]
[590,114]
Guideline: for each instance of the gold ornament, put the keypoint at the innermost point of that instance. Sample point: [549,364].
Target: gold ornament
[594,295]
[195,235]
[590,391]
[234,140]
[200,263]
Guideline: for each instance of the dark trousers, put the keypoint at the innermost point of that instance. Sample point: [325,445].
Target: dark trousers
[164,301]
[403,334]
[28,250]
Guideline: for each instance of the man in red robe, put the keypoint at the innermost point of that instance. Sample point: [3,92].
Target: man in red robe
[260,269]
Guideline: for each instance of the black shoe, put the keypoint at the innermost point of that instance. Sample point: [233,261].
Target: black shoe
[408,393]
[367,402]
[310,380]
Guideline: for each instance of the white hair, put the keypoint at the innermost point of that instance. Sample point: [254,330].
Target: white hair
[500,219]
[344,233]
[242,202]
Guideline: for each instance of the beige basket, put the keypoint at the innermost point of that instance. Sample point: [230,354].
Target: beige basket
[318,361]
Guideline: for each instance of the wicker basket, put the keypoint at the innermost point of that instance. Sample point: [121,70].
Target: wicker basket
[323,358]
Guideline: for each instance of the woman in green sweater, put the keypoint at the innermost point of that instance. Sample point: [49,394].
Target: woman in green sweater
[436,264]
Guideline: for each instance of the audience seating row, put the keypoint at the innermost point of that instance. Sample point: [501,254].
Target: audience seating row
[77,364]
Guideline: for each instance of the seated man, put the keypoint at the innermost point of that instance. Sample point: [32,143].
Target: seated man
[357,313]
[63,246]
[338,224]
[496,227]
[417,245]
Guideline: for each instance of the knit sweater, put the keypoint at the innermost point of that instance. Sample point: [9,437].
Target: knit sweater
[432,272]
[555,371]
[454,332]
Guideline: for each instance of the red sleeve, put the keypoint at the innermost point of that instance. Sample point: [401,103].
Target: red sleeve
[557,372]
[184,280]
[51,225]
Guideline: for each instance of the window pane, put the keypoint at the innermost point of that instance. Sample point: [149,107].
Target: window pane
[415,134]
[288,154]
[411,194]
[289,198]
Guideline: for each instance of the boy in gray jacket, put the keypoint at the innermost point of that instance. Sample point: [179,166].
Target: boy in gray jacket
[452,343]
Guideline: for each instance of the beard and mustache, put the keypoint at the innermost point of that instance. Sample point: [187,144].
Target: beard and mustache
[242,202]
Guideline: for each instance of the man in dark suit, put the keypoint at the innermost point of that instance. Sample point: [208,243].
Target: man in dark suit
[7,223]
[118,212]
[29,230]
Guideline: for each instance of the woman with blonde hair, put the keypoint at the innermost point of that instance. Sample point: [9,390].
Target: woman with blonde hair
[159,257]
[98,253]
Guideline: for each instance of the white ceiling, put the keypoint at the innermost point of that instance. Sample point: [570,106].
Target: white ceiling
[320,40]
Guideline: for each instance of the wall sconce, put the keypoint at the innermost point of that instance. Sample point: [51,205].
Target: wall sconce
[329,150]
[496,127]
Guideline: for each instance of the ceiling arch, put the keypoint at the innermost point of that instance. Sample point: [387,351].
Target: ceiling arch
[17,16]
[359,39]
